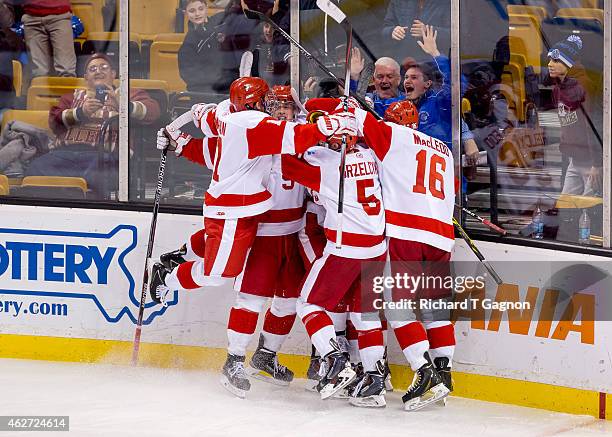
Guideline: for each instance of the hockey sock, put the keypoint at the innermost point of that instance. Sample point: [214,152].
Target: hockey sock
[441,337]
[195,246]
[320,329]
[412,339]
[278,322]
[369,336]
[352,336]
[242,322]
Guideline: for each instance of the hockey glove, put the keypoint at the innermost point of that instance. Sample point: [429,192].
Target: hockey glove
[338,124]
[199,110]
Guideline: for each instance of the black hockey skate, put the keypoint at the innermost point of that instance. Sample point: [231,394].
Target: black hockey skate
[426,388]
[337,372]
[233,376]
[158,290]
[173,259]
[370,390]
[348,391]
[444,370]
[388,384]
[264,366]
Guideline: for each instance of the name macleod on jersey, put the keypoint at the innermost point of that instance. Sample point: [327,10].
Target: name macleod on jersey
[360,169]
[432,143]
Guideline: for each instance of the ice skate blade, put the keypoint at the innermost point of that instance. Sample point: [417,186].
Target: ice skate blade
[388,385]
[442,402]
[375,401]
[346,376]
[437,393]
[311,385]
[230,388]
[263,376]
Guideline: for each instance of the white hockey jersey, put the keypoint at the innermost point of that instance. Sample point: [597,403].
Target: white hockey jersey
[363,227]
[243,161]
[417,176]
[287,213]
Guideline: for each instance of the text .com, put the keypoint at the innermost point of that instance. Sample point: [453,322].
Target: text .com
[17,308]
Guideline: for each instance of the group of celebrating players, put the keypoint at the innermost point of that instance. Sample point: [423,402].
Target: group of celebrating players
[272,222]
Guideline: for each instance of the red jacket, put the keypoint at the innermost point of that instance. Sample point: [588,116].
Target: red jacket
[41,8]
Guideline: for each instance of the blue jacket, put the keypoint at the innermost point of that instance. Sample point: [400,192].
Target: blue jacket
[380,105]
[435,107]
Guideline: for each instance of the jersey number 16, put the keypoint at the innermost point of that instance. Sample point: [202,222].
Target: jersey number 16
[437,166]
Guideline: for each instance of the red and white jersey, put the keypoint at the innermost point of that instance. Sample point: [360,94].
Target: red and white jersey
[201,151]
[287,213]
[363,226]
[243,161]
[417,176]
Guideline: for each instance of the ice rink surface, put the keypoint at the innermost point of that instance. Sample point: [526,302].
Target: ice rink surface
[107,400]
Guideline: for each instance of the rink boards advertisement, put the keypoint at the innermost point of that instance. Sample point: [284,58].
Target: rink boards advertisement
[72,278]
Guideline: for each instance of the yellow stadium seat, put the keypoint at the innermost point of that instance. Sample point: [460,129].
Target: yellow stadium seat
[588,13]
[150,17]
[536,11]
[170,37]
[514,78]
[149,84]
[4,185]
[42,98]
[164,64]
[17,77]
[54,187]
[36,118]
[466,106]
[90,13]
[526,28]
[576,201]
[75,82]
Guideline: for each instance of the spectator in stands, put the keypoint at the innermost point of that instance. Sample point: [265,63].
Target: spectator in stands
[386,78]
[77,121]
[10,48]
[48,35]
[270,60]
[405,21]
[198,65]
[578,140]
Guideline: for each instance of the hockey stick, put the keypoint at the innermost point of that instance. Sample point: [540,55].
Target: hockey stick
[483,220]
[340,17]
[477,252]
[296,99]
[255,15]
[179,122]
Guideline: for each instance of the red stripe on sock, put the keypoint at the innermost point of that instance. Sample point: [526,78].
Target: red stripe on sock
[410,334]
[197,243]
[242,321]
[278,325]
[351,332]
[184,276]
[373,337]
[316,321]
[441,336]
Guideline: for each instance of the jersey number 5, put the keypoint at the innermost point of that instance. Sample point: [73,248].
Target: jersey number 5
[370,204]
[437,165]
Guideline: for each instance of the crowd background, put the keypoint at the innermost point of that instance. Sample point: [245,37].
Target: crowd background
[538,120]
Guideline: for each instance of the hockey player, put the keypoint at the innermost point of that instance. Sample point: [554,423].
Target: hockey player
[338,272]
[273,269]
[247,137]
[417,177]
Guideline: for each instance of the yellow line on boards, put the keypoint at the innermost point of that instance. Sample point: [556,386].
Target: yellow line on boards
[467,385]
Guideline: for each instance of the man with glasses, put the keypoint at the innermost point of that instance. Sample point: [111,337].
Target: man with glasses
[77,122]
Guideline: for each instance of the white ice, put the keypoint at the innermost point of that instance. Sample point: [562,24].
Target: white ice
[107,400]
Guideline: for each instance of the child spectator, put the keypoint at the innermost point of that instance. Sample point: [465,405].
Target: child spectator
[584,172]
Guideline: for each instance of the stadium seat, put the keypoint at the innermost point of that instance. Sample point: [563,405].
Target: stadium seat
[588,13]
[54,187]
[576,201]
[466,106]
[17,77]
[75,82]
[42,98]
[514,78]
[36,118]
[90,13]
[527,29]
[150,17]
[164,64]
[537,11]
[4,185]
[170,37]
[108,43]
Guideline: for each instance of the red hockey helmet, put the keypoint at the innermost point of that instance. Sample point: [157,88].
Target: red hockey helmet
[245,92]
[282,93]
[404,113]
[335,142]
